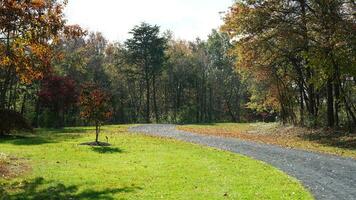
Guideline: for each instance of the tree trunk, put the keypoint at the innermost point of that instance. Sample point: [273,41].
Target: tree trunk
[337,84]
[337,103]
[330,104]
[97,132]
[349,108]
[197,101]
[23,104]
[154,98]
[62,124]
[211,109]
[203,100]
[13,96]
[147,98]
[7,75]
[37,114]
[233,117]
[301,105]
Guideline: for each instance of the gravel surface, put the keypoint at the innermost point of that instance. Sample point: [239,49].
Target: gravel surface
[326,176]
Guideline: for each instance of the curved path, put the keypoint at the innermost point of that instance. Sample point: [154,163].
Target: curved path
[326,176]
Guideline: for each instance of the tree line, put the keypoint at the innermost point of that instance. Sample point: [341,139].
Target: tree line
[292,61]
[302,53]
[150,77]
[154,78]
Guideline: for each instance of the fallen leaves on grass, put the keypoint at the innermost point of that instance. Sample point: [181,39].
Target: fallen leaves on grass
[319,140]
[11,167]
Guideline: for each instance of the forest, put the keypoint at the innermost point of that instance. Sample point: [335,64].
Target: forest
[288,61]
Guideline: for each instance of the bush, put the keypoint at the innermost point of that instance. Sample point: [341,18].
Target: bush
[12,120]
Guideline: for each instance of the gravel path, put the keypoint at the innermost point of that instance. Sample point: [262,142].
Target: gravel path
[327,177]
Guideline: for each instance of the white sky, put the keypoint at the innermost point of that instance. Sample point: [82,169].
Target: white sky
[188,19]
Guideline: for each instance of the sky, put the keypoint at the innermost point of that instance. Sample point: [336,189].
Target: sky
[188,19]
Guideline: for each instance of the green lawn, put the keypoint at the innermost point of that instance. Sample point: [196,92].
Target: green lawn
[137,167]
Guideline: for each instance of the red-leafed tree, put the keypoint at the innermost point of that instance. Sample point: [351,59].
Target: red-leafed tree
[95,106]
[58,94]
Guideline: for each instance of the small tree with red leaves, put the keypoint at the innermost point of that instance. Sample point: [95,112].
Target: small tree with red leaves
[95,106]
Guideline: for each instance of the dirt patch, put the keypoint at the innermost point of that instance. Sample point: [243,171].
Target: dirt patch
[12,167]
[96,144]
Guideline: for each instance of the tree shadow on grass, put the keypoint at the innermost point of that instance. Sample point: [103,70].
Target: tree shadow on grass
[107,150]
[40,189]
[24,140]
[65,130]
[44,136]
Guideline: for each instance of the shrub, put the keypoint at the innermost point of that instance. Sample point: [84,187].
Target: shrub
[12,120]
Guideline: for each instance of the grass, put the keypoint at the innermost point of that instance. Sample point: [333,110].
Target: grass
[317,140]
[136,167]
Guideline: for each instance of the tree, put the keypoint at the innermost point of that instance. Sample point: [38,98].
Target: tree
[72,48]
[95,53]
[146,53]
[224,79]
[95,106]
[180,77]
[28,31]
[303,50]
[58,94]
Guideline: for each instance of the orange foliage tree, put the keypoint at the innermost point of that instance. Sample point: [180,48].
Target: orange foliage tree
[303,52]
[29,29]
